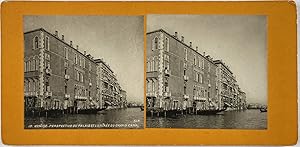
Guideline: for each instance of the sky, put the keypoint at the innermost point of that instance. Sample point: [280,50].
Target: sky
[118,40]
[239,40]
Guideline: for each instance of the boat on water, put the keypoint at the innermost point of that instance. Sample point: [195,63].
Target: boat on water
[263,109]
[209,112]
[142,108]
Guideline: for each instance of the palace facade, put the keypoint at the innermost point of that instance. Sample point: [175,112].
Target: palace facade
[179,77]
[58,76]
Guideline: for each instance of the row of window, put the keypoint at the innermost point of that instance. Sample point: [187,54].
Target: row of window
[81,91]
[155,44]
[151,85]
[36,43]
[31,65]
[198,92]
[31,85]
[152,64]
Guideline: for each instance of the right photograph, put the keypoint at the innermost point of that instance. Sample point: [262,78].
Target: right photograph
[206,71]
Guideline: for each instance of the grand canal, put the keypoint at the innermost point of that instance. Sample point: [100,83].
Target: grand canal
[128,118]
[246,119]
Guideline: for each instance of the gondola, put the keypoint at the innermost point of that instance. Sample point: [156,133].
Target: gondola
[209,112]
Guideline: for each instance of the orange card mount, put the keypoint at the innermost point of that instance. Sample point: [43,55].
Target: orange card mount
[94,73]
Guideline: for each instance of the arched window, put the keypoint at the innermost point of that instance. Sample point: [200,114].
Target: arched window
[156,43]
[153,86]
[33,65]
[75,58]
[33,85]
[29,86]
[152,67]
[150,85]
[47,43]
[156,63]
[29,65]
[66,53]
[201,80]
[36,85]
[185,52]
[36,42]
[36,64]
[167,44]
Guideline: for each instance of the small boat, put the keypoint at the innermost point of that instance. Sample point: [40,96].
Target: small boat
[263,109]
[209,112]
[142,108]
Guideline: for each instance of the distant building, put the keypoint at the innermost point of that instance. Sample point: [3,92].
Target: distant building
[58,76]
[123,99]
[110,90]
[227,87]
[180,77]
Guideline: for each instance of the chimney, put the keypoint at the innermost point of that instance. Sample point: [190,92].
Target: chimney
[84,52]
[77,47]
[176,35]
[196,48]
[63,37]
[191,44]
[56,33]
[71,43]
[182,39]
[204,54]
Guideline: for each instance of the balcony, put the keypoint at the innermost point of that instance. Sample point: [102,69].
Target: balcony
[201,99]
[48,94]
[167,72]
[31,93]
[186,96]
[80,98]
[185,78]
[48,71]
[151,94]
[67,96]
[67,77]
[167,94]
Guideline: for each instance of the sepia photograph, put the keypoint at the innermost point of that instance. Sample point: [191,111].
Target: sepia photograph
[83,72]
[206,71]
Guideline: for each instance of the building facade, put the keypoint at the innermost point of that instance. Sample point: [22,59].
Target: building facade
[109,88]
[179,77]
[57,75]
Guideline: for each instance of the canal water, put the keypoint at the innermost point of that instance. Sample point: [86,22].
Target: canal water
[127,118]
[246,119]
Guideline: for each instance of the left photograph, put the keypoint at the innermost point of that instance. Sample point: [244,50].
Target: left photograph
[83,72]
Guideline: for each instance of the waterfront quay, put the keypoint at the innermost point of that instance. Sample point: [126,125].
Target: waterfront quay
[182,80]
[61,78]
